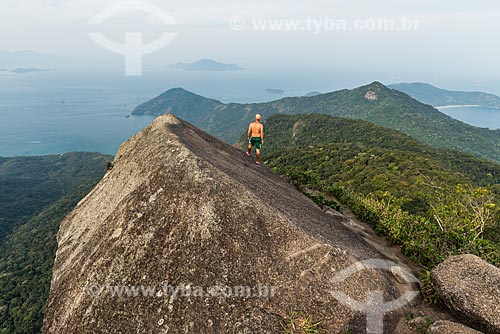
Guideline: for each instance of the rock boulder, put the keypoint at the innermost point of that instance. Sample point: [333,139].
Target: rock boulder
[470,287]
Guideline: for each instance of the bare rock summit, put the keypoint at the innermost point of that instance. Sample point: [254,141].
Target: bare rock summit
[185,234]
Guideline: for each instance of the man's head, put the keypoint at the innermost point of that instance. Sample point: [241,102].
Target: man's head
[257,117]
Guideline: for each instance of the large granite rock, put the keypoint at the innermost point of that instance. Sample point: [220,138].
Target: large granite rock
[470,287]
[182,210]
[448,327]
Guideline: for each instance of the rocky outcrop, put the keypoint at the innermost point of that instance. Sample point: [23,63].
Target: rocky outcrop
[448,327]
[185,234]
[470,287]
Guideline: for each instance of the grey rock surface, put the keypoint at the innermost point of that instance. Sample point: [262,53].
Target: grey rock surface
[182,209]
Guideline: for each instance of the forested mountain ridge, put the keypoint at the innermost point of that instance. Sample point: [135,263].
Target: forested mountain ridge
[29,184]
[288,131]
[374,103]
[26,259]
[36,194]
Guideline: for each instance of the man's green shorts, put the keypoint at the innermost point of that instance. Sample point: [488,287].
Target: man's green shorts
[256,141]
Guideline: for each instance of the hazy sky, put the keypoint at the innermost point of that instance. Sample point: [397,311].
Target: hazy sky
[454,37]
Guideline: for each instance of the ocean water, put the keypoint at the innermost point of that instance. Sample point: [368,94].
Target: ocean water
[473,115]
[42,114]
[51,113]
[62,111]
[65,110]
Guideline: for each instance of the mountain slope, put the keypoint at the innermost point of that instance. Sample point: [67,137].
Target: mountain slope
[36,193]
[434,96]
[181,207]
[29,184]
[179,102]
[306,130]
[26,260]
[370,158]
[374,103]
[426,200]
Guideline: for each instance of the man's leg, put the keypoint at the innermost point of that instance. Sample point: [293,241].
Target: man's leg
[257,154]
[249,149]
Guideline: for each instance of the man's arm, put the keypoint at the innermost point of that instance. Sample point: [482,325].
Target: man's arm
[249,131]
[262,134]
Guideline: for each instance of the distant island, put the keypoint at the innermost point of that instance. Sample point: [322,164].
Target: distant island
[275,91]
[205,65]
[310,94]
[27,58]
[438,97]
[21,70]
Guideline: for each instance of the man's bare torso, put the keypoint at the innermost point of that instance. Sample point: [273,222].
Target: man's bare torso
[256,129]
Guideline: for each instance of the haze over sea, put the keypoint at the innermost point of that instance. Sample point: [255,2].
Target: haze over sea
[61,111]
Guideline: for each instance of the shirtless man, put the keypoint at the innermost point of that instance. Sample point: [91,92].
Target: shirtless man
[255,137]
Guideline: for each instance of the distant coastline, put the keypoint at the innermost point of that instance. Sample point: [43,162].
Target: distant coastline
[443,98]
[458,106]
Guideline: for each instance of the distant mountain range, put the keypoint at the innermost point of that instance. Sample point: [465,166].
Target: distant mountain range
[205,65]
[375,103]
[275,91]
[22,70]
[438,97]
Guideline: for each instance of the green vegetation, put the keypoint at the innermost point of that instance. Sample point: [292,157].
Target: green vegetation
[374,103]
[318,149]
[29,184]
[423,239]
[441,97]
[346,331]
[28,252]
[432,202]
[26,265]
[298,322]
[427,288]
